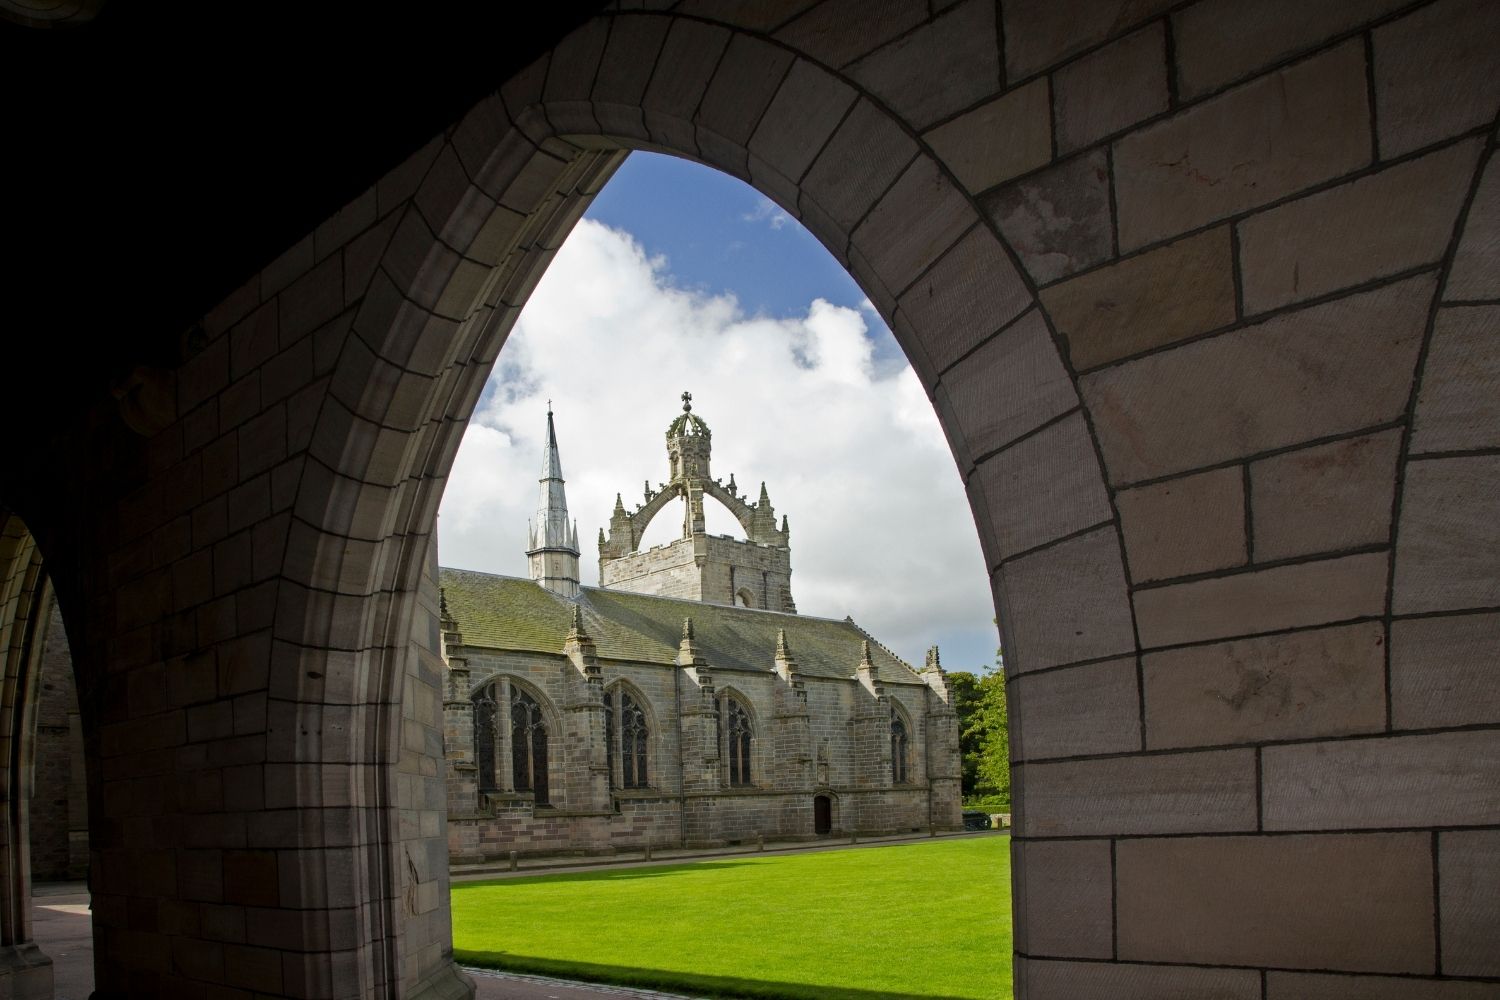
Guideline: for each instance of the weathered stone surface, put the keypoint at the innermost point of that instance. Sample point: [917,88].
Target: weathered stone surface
[1445,671]
[839,32]
[1327,682]
[1442,779]
[1265,600]
[1209,792]
[1324,498]
[866,153]
[1001,139]
[1057,220]
[1469,901]
[1271,137]
[1111,89]
[748,77]
[1220,41]
[973,291]
[1044,487]
[1448,540]
[1160,297]
[1476,267]
[1437,73]
[1064,898]
[1039,34]
[1009,386]
[943,66]
[1312,986]
[801,117]
[1093,709]
[1065,604]
[919,218]
[1458,406]
[1388,222]
[1321,371]
[1358,903]
[1183,526]
[1052,980]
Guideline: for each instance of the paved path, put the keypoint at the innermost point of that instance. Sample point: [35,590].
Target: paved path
[63,928]
[513,986]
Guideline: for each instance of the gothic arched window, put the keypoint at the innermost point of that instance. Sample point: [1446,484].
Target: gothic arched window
[900,749]
[626,737]
[738,732]
[528,745]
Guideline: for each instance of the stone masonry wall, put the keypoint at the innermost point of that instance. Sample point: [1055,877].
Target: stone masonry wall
[59,798]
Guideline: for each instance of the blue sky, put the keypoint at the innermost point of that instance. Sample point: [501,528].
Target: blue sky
[682,278]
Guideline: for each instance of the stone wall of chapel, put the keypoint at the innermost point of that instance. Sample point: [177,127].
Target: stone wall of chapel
[764,569]
[656,815]
[59,797]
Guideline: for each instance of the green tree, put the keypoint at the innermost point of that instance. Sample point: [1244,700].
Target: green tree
[983,735]
[991,738]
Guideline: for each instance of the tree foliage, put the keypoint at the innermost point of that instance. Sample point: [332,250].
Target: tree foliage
[983,736]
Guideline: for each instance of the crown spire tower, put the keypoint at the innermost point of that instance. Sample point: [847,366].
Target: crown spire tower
[552,535]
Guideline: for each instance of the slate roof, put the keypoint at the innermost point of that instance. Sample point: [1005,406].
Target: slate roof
[510,613]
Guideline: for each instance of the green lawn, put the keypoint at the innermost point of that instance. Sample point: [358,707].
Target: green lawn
[921,920]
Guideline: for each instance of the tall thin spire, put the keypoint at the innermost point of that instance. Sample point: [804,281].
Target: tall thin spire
[553,540]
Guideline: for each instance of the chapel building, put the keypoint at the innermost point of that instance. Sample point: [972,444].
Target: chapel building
[684,701]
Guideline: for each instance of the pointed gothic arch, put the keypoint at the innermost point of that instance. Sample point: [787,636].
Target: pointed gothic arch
[632,736]
[517,740]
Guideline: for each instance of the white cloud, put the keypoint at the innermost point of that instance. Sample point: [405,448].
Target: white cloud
[767,211]
[850,450]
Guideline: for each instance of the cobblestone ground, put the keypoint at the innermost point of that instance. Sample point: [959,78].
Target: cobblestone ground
[514,986]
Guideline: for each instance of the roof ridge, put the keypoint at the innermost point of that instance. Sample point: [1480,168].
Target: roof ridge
[888,651]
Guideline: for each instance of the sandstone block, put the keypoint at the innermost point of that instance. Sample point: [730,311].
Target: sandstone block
[1271,137]
[1183,526]
[688,58]
[839,32]
[1046,486]
[1057,220]
[1445,671]
[1210,792]
[1093,709]
[1437,73]
[1391,221]
[1321,371]
[919,218]
[1051,980]
[1327,682]
[1448,540]
[1312,986]
[1324,498]
[970,293]
[1064,898]
[747,78]
[803,114]
[1221,41]
[1469,900]
[1112,88]
[1065,604]
[1441,779]
[1006,388]
[1357,903]
[630,55]
[1476,268]
[1039,34]
[1458,406]
[1266,600]
[941,67]
[575,61]
[865,154]
[998,140]
[1166,295]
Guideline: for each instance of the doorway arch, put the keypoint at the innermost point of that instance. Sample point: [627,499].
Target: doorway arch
[1196,397]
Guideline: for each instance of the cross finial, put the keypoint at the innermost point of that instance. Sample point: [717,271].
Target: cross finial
[687,402]
[549,407]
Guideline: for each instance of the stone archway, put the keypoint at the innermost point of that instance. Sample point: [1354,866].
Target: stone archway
[1115,248]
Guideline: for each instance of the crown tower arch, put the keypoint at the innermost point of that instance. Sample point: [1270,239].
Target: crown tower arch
[697,565]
